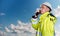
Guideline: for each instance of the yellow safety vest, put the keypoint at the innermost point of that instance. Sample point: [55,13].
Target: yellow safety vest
[45,24]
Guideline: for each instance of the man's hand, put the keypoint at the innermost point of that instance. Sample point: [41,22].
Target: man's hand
[37,13]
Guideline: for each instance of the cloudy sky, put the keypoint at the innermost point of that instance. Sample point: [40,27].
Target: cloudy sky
[15,16]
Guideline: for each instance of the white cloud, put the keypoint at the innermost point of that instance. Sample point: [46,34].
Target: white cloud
[57,30]
[23,29]
[1,14]
[57,11]
[2,33]
[57,33]
[7,30]
[12,26]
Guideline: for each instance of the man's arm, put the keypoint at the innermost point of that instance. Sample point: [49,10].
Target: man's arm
[34,23]
[35,20]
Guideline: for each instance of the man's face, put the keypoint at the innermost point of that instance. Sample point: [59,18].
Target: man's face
[44,9]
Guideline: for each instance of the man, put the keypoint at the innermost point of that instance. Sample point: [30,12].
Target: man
[45,23]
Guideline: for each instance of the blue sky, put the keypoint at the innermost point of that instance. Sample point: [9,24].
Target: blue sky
[20,10]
